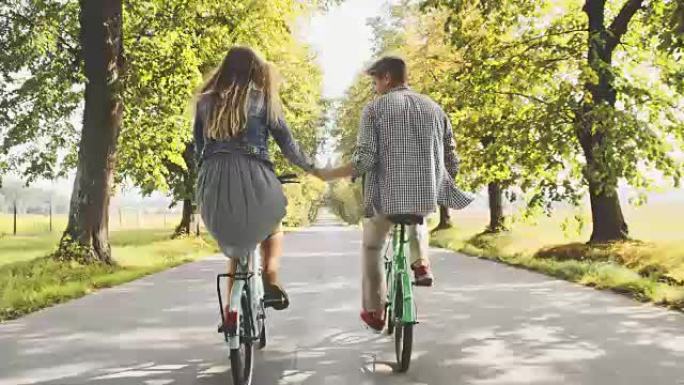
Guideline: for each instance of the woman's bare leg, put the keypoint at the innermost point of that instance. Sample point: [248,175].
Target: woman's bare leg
[271,250]
[232,267]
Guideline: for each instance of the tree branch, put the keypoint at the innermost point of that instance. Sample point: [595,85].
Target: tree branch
[529,97]
[619,26]
[543,36]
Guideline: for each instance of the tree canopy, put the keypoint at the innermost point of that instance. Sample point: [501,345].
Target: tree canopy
[534,107]
[170,46]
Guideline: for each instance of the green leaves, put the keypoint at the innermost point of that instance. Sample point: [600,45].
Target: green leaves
[170,45]
[515,80]
[40,86]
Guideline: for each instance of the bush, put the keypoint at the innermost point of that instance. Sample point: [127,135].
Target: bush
[303,201]
[346,201]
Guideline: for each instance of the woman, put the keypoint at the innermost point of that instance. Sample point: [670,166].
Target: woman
[241,201]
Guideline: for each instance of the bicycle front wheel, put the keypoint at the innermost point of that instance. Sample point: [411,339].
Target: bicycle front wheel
[403,333]
[242,358]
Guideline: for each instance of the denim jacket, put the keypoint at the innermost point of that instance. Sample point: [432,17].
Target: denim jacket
[253,140]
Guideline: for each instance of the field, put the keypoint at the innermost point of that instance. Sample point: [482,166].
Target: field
[660,224]
[650,268]
[29,224]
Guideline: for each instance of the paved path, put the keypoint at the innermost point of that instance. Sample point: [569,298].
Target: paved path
[483,323]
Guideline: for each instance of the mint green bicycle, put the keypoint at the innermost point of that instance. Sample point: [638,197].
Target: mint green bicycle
[401,309]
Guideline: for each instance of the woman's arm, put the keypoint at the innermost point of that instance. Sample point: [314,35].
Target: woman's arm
[198,135]
[289,146]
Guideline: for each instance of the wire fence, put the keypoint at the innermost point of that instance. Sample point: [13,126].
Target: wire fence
[33,222]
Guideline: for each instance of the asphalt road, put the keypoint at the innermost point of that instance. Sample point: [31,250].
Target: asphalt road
[483,323]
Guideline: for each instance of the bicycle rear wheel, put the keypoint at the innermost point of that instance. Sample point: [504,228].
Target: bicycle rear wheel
[403,333]
[389,309]
[242,358]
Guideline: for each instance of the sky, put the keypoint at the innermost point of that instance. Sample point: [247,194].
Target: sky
[343,41]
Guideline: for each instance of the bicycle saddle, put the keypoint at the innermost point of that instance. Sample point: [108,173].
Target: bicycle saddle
[406,219]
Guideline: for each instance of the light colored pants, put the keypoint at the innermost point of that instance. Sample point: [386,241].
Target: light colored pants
[375,234]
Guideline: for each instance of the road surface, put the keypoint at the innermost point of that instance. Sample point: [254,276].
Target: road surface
[483,323]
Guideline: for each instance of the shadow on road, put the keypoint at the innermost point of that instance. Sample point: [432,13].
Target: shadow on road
[483,324]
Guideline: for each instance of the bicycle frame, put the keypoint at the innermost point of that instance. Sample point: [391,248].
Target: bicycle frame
[255,293]
[399,270]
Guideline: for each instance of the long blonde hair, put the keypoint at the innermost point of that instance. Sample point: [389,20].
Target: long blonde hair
[229,89]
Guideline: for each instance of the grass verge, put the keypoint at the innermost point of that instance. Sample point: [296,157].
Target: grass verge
[645,271]
[34,283]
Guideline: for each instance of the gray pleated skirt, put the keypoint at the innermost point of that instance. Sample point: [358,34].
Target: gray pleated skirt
[240,200]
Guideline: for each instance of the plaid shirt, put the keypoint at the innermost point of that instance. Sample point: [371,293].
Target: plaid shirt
[405,150]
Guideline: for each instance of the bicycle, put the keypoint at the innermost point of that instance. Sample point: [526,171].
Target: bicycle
[400,307]
[246,319]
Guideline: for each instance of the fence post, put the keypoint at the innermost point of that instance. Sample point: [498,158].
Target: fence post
[50,216]
[15,216]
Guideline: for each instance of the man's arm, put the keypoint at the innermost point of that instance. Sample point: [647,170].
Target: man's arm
[366,153]
[450,157]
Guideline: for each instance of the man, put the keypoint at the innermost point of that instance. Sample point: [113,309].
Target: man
[406,151]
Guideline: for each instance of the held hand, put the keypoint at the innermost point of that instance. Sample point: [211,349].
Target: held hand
[328,174]
[324,174]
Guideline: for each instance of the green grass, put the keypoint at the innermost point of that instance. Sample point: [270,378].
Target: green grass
[28,283]
[30,223]
[651,269]
[27,247]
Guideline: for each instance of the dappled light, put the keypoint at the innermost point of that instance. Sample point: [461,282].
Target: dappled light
[481,324]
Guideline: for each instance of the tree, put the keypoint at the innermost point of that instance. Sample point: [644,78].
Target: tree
[491,155]
[41,87]
[171,45]
[183,189]
[582,94]
[607,217]
[86,236]
[444,219]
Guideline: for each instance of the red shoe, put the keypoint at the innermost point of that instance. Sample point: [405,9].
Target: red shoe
[372,319]
[422,275]
[231,321]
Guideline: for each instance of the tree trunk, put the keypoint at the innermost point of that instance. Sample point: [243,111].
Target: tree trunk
[444,219]
[183,227]
[608,222]
[185,190]
[496,216]
[86,237]
[606,214]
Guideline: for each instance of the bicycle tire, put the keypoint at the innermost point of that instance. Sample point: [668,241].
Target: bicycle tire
[243,368]
[388,306]
[403,333]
